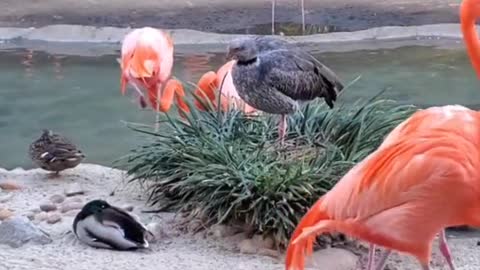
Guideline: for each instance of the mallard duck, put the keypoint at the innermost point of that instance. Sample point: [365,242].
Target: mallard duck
[53,152]
[102,225]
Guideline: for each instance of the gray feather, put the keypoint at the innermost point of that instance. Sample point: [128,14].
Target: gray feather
[273,75]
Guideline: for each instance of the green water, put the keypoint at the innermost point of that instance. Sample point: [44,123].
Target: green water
[80,96]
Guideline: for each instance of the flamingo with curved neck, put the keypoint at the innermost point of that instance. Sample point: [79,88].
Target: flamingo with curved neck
[147,62]
[211,83]
[419,130]
[469,12]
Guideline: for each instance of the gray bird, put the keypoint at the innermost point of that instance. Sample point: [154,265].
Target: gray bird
[54,152]
[102,225]
[273,76]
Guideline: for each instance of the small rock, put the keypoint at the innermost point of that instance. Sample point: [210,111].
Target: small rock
[74,189]
[333,259]
[72,213]
[6,198]
[30,215]
[10,185]
[48,207]
[5,213]
[41,216]
[247,246]
[127,207]
[221,231]
[73,200]
[263,242]
[53,218]
[57,198]
[268,252]
[17,231]
[66,206]
[157,232]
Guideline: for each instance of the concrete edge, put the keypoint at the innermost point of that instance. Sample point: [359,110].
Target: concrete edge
[110,38]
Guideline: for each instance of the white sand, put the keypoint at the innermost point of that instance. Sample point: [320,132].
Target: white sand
[177,251]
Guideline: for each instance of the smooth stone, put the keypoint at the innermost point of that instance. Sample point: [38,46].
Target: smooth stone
[128,207]
[157,232]
[17,231]
[5,214]
[333,259]
[67,206]
[41,216]
[57,198]
[74,189]
[48,207]
[10,185]
[53,218]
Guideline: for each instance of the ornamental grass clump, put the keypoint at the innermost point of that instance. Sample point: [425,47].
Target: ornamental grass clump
[226,167]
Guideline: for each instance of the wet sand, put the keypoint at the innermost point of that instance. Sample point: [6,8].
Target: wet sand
[227,16]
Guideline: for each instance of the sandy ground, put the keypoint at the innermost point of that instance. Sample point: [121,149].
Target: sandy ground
[175,251]
[227,16]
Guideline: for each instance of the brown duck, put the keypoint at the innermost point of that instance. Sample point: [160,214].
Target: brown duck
[53,152]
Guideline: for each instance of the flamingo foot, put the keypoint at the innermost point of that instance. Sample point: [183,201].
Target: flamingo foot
[445,250]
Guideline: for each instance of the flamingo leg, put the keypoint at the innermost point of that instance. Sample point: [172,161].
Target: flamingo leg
[445,250]
[282,128]
[273,16]
[383,259]
[371,254]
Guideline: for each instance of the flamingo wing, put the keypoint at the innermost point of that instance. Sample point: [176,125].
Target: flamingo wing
[384,198]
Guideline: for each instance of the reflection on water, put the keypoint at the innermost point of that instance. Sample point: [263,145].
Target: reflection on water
[80,96]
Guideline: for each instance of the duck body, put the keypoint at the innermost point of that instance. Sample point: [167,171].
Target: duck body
[102,225]
[54,152]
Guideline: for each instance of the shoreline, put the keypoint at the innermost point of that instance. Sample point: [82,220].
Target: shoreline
[87,40]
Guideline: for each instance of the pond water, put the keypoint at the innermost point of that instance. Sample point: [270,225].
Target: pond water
[80,96]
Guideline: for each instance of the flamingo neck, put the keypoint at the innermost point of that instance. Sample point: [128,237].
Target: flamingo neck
[470,36]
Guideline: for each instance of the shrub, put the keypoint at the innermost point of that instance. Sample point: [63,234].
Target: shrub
[225,167]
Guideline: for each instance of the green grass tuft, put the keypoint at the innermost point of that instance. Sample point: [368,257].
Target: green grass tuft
[225,167]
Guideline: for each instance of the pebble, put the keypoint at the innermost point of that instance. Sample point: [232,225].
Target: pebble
[247,246]
[157,232]
[57,198]
[5,214]
[10,185]
[128,207]
[18,231]
[30,215]
[41,216]
[72,213]
[6,198]
[53,218]
[263,242]
[67,206]
[221,231]
[48,207]
[73,200]
[74,189]
[333,259]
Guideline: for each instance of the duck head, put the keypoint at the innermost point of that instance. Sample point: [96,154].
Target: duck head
[95,206]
